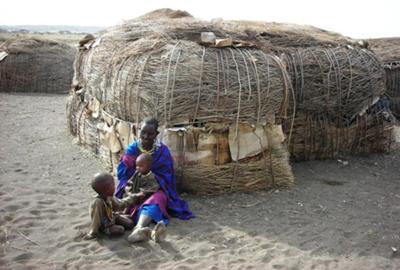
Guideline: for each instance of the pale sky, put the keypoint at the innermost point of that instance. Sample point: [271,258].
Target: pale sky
[354,18]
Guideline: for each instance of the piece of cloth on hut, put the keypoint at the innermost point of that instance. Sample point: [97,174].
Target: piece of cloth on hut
[163,170]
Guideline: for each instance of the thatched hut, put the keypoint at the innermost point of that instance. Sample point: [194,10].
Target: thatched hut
[222,91]
[388,50]
[36,65]
[209,99]
[334,88]
[392,70]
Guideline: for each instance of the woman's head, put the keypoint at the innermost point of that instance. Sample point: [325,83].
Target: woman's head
[148,132]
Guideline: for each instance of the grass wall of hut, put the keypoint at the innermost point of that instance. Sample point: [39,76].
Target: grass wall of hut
[36,65]
[392,70]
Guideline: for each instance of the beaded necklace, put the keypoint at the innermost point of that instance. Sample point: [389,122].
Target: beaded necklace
[142,150]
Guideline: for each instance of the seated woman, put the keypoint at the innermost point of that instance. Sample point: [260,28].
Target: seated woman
[165,202]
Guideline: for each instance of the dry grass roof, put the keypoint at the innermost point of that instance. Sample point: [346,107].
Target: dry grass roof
[387,49]
[36,65]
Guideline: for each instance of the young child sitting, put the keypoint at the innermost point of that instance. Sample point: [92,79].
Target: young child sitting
[102,209]
[143,181]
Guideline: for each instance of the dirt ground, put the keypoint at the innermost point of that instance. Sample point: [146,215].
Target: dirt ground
[336,217]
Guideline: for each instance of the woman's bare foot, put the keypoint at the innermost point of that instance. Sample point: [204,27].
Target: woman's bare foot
[140,234]
[89,236]
[159,233]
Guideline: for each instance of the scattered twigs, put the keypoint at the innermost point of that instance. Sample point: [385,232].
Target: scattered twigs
[27,238]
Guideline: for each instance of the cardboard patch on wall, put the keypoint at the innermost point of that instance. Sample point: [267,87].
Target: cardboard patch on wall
[196,146]
[216,145]
[125,133]
[109,138]
[396,134]
[107,118]
[275,135]
[94,107]
[174,139]
[246,141]
[3,55]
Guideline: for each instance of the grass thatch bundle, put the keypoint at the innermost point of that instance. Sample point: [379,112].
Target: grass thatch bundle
[321,138]
[185,83]
[170,75]
[337,83]
[331,88]
[392,70]
[387,49]
[36,65]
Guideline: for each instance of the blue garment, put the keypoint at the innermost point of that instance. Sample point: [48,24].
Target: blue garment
[154,212]
[163,170]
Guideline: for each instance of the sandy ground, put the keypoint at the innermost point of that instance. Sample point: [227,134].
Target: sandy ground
[336,217]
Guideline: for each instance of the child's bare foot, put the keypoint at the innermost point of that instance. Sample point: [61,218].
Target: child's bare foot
[140,234]
[159,233]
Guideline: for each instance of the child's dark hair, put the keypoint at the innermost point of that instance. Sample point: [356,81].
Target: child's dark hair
[99,180]
[145,157]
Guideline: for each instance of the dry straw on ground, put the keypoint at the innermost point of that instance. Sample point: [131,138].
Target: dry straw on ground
[36,65]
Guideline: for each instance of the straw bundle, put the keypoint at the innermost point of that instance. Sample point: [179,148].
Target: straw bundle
[336,82]
[393,86]
[322,138]
[36,65]
[184,83]
[387,49]
[332,87]
[235,177]
[159,59]
[75,110]
[266,171]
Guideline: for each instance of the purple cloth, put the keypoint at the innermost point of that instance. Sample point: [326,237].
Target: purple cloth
[158,199]
[163,170]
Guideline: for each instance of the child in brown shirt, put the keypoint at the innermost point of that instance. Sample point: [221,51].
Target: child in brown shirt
[103,208]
